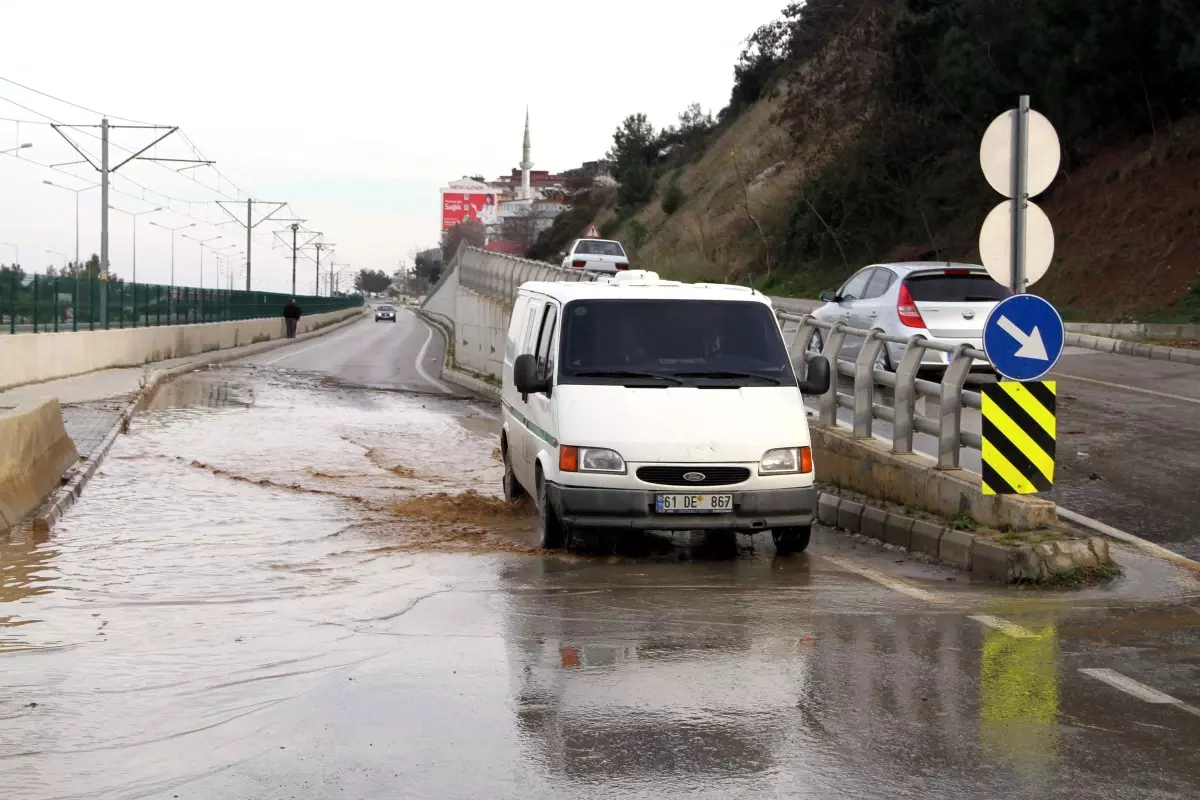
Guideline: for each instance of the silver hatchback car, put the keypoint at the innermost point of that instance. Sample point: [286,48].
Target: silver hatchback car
[940,301]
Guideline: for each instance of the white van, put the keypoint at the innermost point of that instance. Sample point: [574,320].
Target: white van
[643,404]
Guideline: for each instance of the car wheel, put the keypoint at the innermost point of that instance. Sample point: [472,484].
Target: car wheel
[513,491]
[552,534]
[791,540]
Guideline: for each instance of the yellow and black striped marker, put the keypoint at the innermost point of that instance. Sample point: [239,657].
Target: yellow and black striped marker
[1018,437]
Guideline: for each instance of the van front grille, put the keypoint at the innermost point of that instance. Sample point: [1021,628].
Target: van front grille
[712,476]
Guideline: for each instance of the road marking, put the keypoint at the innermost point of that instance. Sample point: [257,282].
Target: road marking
[421,359]
[322,341]
[1149,548]
[1004,626]
[1139,690]
[1123,387]
[893,583]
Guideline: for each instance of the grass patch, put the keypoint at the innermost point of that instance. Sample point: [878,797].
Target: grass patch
[964,522]
[1083,576]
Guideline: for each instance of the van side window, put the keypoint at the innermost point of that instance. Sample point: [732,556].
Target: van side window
[545,360]
[514,329]
[530,323]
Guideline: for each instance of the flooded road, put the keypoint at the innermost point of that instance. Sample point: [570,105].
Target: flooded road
[284,585]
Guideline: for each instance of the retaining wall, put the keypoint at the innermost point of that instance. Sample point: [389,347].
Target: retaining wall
[35,451]
[35,357]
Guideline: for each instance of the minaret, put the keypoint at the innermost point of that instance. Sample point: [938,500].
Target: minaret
[526,164]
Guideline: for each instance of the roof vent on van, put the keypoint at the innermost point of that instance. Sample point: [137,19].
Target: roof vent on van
[635,276]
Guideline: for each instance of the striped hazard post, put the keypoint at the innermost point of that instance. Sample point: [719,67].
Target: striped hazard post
[1018,437]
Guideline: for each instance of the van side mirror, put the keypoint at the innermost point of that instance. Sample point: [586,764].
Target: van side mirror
[829,296]
[816,380]
[525,376]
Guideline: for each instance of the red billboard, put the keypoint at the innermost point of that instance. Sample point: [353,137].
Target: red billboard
[461,206]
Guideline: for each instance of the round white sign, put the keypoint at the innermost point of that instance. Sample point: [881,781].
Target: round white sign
[996,154]
[995,244]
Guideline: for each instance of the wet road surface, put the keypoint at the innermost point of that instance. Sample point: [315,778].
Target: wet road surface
[283,585]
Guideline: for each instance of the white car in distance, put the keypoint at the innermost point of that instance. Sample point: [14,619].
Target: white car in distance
[596,255]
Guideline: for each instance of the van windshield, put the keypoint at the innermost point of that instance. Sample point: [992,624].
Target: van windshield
[673,342]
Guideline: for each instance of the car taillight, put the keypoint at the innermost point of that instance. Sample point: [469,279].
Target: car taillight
[622,265]
[907,309]
[956,272]
[578,264]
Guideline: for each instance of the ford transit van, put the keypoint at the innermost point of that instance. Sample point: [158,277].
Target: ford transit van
[635,403]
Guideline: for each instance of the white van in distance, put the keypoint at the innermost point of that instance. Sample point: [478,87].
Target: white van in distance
[636,403]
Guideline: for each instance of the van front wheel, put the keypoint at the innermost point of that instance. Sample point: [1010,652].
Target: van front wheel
[552,533]
[791,540]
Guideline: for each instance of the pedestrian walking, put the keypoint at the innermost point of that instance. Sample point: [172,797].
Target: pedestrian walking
[291,316]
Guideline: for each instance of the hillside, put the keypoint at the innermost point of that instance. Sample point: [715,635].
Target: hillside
[860,145]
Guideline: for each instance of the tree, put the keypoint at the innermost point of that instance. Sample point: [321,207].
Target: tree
[634,142]
[372,280]
[639,232]
[469,231]
[523,227]
[426,268]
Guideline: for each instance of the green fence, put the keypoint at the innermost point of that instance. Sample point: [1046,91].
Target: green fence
[40,304]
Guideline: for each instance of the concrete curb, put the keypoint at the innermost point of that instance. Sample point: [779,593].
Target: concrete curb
[970,552]
[56,505]
[1149,548]
[1126,347]
[451,373]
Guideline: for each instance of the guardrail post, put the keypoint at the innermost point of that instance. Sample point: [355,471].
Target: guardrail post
[950,411]
[906,396]
[827,408]
[801,341]
[864,385]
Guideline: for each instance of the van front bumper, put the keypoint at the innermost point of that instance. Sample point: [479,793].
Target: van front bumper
[756,510]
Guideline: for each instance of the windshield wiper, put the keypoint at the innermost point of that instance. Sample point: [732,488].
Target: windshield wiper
[722,373]
[622,373]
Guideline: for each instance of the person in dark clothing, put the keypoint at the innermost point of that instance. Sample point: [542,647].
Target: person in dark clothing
[291,316]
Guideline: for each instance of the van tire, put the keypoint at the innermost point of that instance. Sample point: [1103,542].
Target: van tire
[791,540]
[552,534]
[513,491]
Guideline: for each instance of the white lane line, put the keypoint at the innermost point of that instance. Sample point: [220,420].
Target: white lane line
[1004,626]
[322,341]
[1149,548]
[891,582]
[1141,691]
[421,359]
[1125,388]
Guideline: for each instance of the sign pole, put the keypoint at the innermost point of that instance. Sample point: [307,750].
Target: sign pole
[1020,200]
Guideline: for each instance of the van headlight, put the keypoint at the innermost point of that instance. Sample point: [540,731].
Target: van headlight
[590,459]
[786,461]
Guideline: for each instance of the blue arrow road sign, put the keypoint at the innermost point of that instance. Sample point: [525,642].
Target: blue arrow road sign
[1023,337]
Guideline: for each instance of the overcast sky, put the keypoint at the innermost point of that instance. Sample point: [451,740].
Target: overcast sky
[353,112]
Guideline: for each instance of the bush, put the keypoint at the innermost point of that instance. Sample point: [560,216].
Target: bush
[637,185]
[609,227]
[673,198]
[639,232]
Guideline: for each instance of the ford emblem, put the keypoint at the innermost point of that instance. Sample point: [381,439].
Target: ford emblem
[694,477]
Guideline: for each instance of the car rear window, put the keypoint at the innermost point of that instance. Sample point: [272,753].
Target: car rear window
[669,337]
[966,288]
[600,248]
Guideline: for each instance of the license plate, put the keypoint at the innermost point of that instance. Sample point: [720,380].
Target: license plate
[694,503]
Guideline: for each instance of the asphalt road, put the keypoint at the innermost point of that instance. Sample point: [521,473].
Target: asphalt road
[284,583]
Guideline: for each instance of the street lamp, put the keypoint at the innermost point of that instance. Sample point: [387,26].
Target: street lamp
[77,193]
[60,255]
[135,215]
[201,242]
[18,147]
[173,232]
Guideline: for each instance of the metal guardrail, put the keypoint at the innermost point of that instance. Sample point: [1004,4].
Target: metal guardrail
[905,383]
[499,276]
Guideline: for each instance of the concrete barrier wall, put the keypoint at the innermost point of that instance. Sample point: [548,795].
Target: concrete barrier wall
[35,357]
[35,451]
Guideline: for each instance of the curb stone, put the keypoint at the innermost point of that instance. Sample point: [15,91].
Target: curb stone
[56,505]
[1127,347]
[967,551]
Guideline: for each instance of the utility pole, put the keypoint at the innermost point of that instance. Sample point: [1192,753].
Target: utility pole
[295,226]
[319,247]
[250,224]
[105,170]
